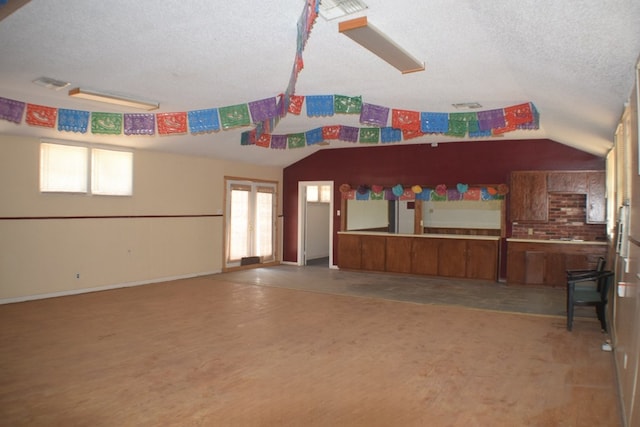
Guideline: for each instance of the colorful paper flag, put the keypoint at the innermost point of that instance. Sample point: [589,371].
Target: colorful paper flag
[106,123]
[171,123]
[39,115]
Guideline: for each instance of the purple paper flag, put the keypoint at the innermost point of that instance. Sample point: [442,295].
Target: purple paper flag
[11,110]
[349,133]
[279,142]
[263,110]
[374,115]
[139,124]
[491,119]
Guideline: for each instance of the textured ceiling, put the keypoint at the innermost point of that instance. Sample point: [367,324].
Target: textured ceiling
[575,60]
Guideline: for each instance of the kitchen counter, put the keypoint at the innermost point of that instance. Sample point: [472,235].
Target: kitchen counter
[545,262]
[558,241]
[423,236]
[447,255]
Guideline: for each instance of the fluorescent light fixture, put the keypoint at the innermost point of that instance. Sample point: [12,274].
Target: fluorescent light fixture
[124,101]
[332,9]
[365,34]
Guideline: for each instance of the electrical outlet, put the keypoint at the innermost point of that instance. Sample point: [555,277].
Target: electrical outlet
[77,275]
[530,231]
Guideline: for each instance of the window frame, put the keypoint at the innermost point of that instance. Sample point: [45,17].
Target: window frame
[88,174]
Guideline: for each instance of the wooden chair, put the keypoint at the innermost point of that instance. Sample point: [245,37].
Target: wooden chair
[597,297]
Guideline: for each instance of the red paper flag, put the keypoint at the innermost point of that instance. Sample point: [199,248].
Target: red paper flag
[170,123]
[331,132]
[405,119]
[409,134]
[295,104]
[264,140]
[39,115]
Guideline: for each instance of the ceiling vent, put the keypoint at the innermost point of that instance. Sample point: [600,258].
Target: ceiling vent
[50,83]
[332,9]
[467,105]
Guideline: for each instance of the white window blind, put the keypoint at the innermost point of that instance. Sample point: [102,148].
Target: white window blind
[81,169]
[63,168]
[111,172]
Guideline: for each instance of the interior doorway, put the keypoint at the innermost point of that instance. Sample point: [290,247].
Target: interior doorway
[315,223]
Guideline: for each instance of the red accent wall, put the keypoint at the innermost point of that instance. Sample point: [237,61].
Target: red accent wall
[473,162]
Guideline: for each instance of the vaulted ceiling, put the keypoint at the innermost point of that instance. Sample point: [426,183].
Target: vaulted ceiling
[575,61]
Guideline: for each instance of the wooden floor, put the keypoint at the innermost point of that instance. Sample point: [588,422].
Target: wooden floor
[211,352]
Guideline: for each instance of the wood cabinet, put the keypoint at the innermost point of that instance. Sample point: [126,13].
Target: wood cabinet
[546,263]
[528,196]
[373,253]
[350,251]
[567,182]
[529,193]
[424,256]
[433,256]
[399,255]
[452,258]
[482,259]
[596,198]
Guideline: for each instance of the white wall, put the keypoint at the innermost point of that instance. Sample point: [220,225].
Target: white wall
[167,229]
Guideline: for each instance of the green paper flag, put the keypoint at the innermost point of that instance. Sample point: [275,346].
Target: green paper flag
[369,135]
[296,140]
[438,198]
[347,105]
[106,123]
[457,128]
[234,116]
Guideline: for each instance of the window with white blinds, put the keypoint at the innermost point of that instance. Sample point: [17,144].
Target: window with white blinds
[67,168]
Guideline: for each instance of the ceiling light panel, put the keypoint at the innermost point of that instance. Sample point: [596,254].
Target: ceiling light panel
[371,38]
[109,98]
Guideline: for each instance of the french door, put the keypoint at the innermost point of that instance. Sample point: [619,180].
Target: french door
[250,221]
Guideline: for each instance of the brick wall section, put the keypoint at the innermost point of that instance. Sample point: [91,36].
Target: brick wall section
[567,216]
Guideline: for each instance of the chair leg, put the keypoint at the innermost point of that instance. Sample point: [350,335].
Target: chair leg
[569,316]
[600,309]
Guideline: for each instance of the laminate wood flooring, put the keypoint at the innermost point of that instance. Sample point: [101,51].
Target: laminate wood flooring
[213,351]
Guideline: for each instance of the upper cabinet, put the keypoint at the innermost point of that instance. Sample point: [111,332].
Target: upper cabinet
[567,182]
[528,196]
[596,198]
[529,190]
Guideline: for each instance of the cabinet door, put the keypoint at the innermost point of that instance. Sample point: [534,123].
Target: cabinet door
[515,266]
[452,258]
[482,259]
[528,196]
[424,257]
[398,259]
[596,209]
[555,269]
[373,252]
[567,182]
[349,251]
[534,267]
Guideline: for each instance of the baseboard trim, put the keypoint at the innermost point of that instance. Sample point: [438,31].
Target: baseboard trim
[104,288]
